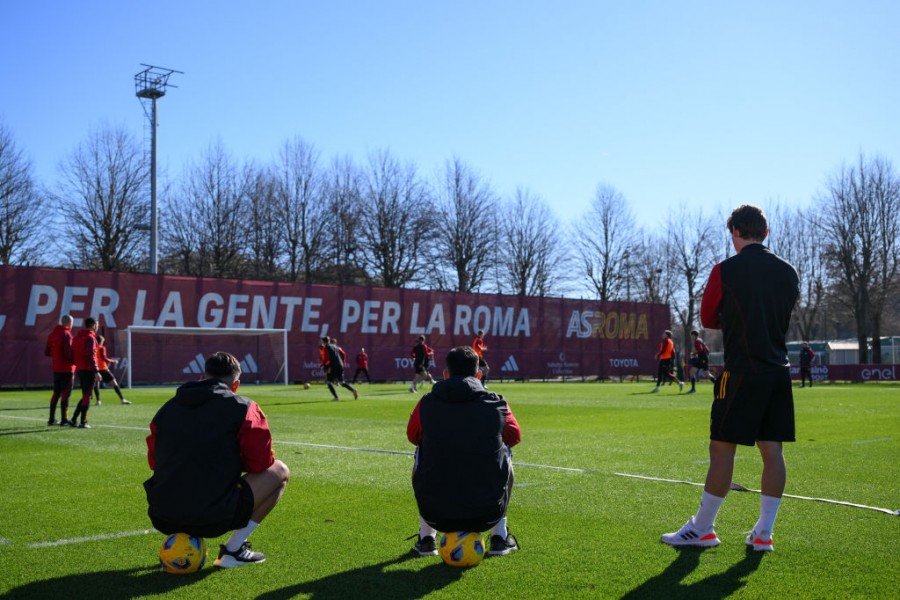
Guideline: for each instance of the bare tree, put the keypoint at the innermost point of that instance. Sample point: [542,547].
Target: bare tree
[793,236]
[263,230]
[603,239]
[646,266]
[858,201]
[467,210]
[344,201]
[692,254]
[22,213]
[302,209]
[207,229]
[104,190]
[532,258]
[397,224]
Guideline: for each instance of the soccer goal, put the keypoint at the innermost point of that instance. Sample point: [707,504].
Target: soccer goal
[158,355]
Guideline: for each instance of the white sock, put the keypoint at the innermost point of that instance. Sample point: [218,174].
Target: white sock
[709,508]
[500,528]
[426,530]
[768,510]
[239,536]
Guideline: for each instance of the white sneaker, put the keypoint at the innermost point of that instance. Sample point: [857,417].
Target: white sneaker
[689,535]
[761,542]
[243,556]
[654,390]
[124,401]
[680,386]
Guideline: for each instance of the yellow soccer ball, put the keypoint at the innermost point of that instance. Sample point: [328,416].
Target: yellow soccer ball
[462,548]
[181,553]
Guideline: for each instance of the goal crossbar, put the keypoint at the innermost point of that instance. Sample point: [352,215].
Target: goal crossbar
[207,331]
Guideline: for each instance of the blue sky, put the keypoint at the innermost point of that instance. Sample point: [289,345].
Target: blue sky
[695,103]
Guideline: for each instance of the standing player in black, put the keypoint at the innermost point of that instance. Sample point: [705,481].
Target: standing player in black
[750,297]
[807,357]
[423,356]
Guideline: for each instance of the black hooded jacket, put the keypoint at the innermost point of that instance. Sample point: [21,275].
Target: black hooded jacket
[463,473]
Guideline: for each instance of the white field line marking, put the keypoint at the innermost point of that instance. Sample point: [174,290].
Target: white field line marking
[4,541]
[93,538]
[536,466]
[873,441]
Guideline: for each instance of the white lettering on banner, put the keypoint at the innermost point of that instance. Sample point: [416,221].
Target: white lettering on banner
[468,322]
[235,310]
[171,314]
[562,367]
[414,327]
[44,298]
[70,306]
[623,362]
[462,320]
[291,302]
[391,318]
[41,302]
[104,304]
[580,324]
[263,316]
[369,316]
[210,317]
[138,320]
[403,363]
[886,374]
[350,314]
[309,314]
[437,320]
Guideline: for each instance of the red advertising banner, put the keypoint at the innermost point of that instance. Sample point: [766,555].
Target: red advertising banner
[531,338]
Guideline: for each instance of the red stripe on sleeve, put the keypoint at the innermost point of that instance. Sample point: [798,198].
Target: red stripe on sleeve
[711,305]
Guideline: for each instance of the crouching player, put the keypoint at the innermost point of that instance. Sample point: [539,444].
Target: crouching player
[459,417]
[213,466]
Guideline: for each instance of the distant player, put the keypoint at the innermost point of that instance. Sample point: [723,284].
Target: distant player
[699,361]
[103,362]
[59,349]
[480,348]
[362,366]
[666,366]
[333,364]
[807,358]
[84,348]
[423,357]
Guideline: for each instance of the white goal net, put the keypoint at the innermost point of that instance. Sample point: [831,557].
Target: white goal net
[160,355]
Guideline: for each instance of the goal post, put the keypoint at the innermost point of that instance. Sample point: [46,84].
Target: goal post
[195,366]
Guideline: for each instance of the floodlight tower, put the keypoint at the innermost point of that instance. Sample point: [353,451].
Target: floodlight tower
[150,85]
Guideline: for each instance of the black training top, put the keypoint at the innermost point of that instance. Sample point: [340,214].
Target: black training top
[750,297]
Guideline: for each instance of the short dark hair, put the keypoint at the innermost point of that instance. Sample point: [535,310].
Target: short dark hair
[462,362]
[223,366]
[750,221]
[325,339]
[421,338]
[668,332]
[695,332]
[100,340]
[90,322]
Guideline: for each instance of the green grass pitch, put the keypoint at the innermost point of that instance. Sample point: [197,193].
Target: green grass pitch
[73,518]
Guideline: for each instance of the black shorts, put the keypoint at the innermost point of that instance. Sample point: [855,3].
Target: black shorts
[421,369]
[335,375]
[699,363]
[107,377]
[483,364]
[62,382]
[753,407]
[86,380]
[241,517]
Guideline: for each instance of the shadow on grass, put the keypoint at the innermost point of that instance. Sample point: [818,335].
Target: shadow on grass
[42,429]
[373,581]
[19,409]
[112,585]
[668,583]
